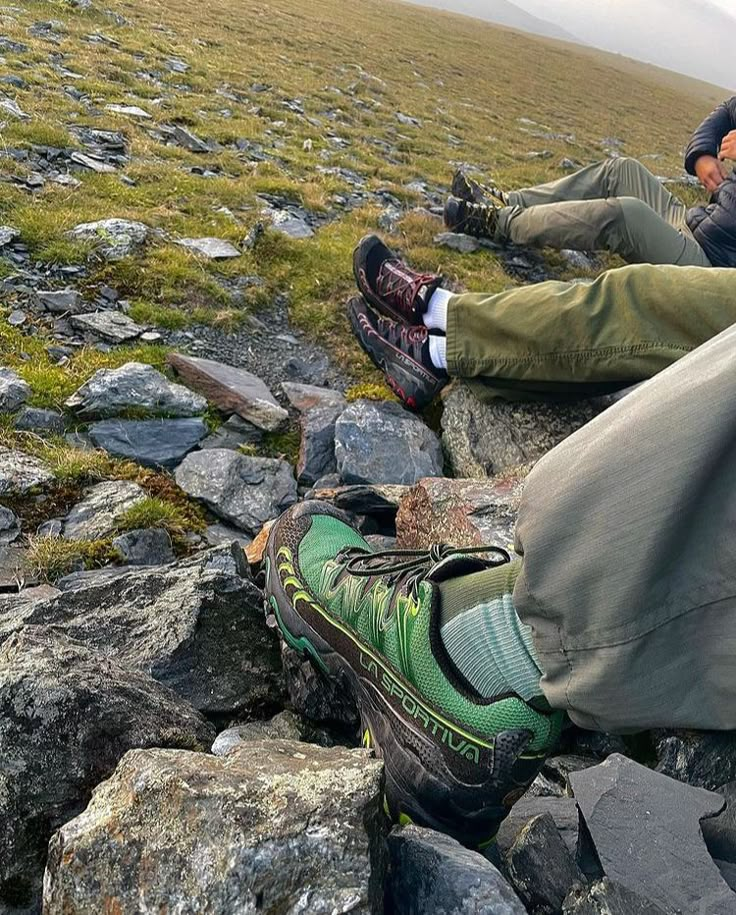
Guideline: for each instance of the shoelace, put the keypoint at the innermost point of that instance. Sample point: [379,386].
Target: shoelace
[412,565]
[397,283]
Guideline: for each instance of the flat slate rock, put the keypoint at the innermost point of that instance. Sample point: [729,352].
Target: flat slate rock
[188,140]
[61,301]
[432,873]
[150,547]
[306,396]
[134,385]
[383,443]
[245,491]
[110,326]
[13,391]
[132,111]
[151,442]
[275,826]
[213,248]
[646,831]
[231,389]
[113,239]
[20,472]
[36,419]
[95,516]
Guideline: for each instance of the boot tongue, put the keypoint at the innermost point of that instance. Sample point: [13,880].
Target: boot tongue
[454,566]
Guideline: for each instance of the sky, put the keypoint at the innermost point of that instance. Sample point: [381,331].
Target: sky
[695,37]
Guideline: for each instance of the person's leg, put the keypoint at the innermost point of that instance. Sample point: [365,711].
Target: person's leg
[622,225]
[622,177]
[629,574]
[621,328]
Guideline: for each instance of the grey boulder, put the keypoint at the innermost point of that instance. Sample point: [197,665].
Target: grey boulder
[67,715]
[463,513]
[485,439]
[108,326]
[646,832]
[246,491]
[317,448]
[134,385]
[60,301]
[432,873]
[35,419]
[151,442]
[383,443]
[150,547]
[20,472]
[96,515]
[112,239]
[13,391]
[275,826]
[195,626]
[215,249]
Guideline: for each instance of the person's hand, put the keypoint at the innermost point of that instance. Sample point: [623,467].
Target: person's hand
[728,146]
[711,173]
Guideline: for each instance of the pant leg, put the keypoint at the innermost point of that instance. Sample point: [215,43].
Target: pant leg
[621,177]
[622,225]
[621,328]
[628,531]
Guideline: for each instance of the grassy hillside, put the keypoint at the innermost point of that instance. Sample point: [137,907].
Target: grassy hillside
[312,89]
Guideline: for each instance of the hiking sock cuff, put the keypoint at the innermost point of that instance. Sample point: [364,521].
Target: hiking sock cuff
[435,316]
[438,351]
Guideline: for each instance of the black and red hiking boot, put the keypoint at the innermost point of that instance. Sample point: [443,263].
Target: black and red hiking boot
[389,284]
[477,219]
[466,188]
[369,622]
[401,351]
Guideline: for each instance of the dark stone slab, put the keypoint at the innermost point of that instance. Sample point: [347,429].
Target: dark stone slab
[541,867]
[432,873]
[646,830]
[150,442]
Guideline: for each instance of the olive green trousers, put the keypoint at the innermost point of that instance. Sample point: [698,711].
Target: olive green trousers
[628,532]
[586,337]
[617,205]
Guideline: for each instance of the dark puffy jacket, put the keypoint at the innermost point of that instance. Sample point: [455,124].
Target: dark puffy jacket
[714,226]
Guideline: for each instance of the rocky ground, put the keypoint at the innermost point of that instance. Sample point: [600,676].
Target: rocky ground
[174,373]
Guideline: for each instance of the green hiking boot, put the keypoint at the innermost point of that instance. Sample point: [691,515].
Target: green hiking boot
[453,761]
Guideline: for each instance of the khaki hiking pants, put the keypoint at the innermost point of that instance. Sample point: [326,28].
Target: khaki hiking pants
[587,336]
[617,205]
[628,532]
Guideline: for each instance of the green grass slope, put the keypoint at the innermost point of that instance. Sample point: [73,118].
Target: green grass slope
[353,65]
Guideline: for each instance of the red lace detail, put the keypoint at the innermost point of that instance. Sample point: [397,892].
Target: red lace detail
[400,286]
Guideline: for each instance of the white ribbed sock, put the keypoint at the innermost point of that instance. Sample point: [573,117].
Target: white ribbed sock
[435,317]
[438,351]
